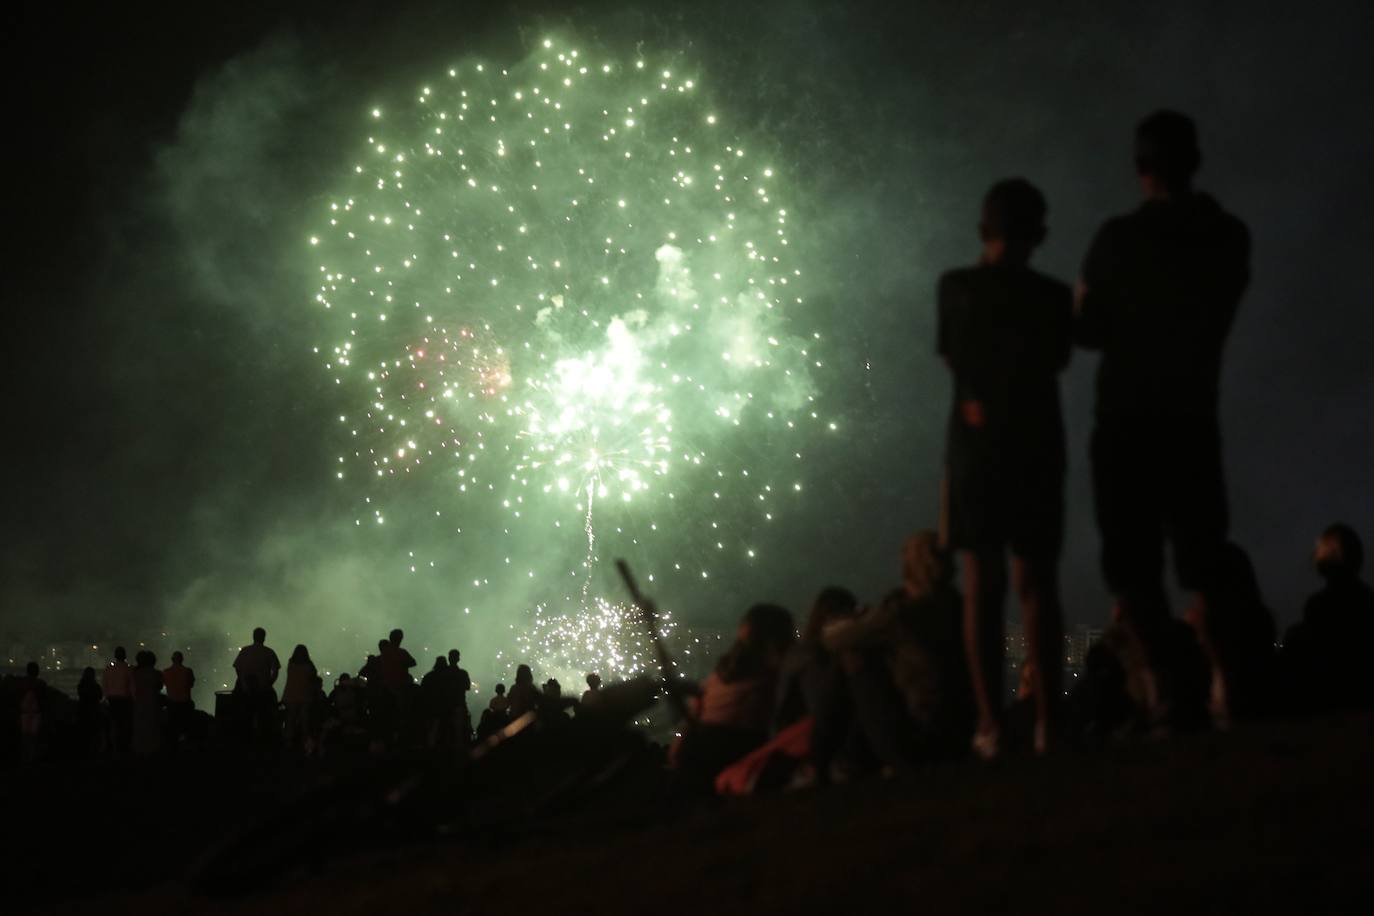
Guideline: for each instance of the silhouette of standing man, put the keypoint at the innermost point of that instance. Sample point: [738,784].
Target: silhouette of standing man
[257,667]
[1159,290]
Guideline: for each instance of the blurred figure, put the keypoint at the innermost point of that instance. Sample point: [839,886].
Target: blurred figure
[395,723]
[553,706]
[460,683]
[371,670]
[1238,635]
[257,667]
[812,681]
[32,691]
[89,715]
[500,703]
[906,663]
[396,663]
[1324,653]
[179,680]
[523,696]
[1160,287]
[344,728]
[147,704]
[298,697]
[496,716]
[1004,331]
[346,702]
[590,696]
[734,707]
[436,694]
[118,685]
[382,709]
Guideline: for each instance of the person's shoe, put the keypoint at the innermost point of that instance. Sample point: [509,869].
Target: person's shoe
[985,744]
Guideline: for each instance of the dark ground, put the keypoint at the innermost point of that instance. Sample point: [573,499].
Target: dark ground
[1267,818]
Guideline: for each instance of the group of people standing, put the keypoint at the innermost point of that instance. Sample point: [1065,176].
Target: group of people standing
[919,675]
[1158,292]
[382,707]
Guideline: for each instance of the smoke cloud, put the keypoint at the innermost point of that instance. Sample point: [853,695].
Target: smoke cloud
[184,477]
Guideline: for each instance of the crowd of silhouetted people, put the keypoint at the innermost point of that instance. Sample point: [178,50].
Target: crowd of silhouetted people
[848,691]
[916,675]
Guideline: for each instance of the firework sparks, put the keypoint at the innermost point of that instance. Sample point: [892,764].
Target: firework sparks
[562,292]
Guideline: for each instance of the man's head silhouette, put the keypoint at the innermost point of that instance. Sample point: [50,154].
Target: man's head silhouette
[1166,149]
[1014,211]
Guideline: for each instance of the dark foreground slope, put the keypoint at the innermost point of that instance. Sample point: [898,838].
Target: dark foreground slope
[1270,817]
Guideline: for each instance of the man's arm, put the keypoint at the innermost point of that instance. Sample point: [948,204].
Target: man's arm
[1092,297]
[947,333]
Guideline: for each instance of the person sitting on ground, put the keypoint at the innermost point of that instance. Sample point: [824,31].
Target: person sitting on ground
[257,667]
[118,685]
[178,679]
[1117,694]
[298,698]
[1324,652]
[1005,332]
[733,709]
[1237,635]
[813,683]
[147,704]
[906,663]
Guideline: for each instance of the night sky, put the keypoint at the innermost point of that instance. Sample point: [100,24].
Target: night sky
[171,437]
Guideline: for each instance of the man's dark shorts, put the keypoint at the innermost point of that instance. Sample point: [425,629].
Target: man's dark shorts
[1153,481]
[998,502]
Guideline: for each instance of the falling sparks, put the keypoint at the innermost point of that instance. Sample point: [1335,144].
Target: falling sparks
[563,296]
